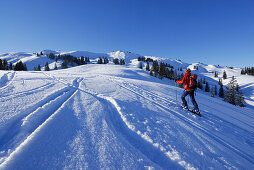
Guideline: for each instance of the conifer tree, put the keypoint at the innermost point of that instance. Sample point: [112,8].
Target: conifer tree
[207,88]
[106,61]
[10,66]
[147,66]
[240,99]
[64,65]
[39,67]
[162,70]
[167,73]
[46,68]
[242,71]
[237,88]
[155,74]
[55,68]
[155,67]
[151,72]
[220,82]
[51,56]
[224,75]
[140,65]
[99,61]
[171,74]
[82,60]
[215,74]
[211,92]
[230,94]
[221,91]
[5,64]
[1,65]
[116,61]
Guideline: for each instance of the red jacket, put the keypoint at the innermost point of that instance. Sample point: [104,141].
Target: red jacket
[185,81]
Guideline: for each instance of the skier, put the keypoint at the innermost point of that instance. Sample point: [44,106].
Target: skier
[188,90]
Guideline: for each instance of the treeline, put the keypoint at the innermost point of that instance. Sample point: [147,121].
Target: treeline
[162,70]
[248,70]
[68,60]
[145,59]
[19,66]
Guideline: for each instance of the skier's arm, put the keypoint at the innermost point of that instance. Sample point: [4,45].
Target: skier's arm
[182,81]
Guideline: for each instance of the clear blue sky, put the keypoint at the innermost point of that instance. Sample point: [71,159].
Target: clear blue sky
[209,31]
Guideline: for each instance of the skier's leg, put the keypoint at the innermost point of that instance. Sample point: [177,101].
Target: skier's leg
[193,100]
[185,93]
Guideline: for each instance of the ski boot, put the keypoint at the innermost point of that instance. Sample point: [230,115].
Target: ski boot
[196,111]
[185,107]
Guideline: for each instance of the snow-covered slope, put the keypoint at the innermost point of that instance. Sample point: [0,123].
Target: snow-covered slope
[116,117]
[204,70]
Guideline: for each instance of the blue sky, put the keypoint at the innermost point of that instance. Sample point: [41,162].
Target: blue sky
[208,31]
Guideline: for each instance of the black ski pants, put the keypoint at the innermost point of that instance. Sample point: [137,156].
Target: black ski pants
[191,94]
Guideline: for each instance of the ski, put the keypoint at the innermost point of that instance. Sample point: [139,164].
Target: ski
[196,113]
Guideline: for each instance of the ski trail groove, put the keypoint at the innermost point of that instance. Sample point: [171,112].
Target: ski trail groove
[12,77]
[189,121]
[134,138]
[40,88]
[22,127]
[118,123]
[53,107]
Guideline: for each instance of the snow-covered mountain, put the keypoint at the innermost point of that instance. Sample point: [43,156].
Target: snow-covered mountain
[118,117]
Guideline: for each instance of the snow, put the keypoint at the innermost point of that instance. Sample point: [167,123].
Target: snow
[118,117]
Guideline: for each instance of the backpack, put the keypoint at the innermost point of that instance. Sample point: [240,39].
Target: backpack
[193,82]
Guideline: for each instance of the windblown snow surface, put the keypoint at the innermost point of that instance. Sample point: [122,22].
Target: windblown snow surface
[116,117]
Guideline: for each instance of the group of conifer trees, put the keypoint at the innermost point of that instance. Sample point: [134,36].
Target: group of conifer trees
[231,94]
[161,70]
[19,66]
[69,59]
[248,70]
[117,61]
[4,65]
[103,60]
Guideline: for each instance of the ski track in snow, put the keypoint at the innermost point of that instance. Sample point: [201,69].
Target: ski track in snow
[23,127]
[164,103]
[21,130]
[32,123]
[167,105]
[128,131]
[7,77]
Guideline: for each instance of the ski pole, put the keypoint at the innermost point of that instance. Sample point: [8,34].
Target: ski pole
[176,91]
[188,100]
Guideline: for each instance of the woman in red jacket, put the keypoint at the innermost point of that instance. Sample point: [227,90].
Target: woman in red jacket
[188,91]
